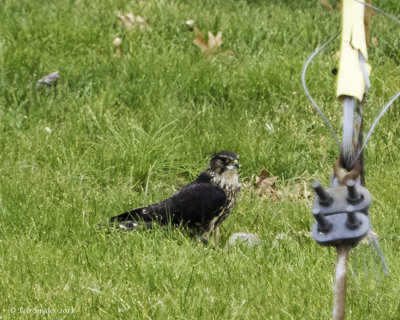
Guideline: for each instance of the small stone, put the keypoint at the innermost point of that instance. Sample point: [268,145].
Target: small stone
[248,239]
[49,80]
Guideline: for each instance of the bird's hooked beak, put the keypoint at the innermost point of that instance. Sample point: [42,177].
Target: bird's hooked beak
[235,165]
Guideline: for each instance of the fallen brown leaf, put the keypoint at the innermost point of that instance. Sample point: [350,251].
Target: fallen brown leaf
[370,237]
[266,185]
[326,5]
[208,47]
[129,21]
[374,42]
[299,191]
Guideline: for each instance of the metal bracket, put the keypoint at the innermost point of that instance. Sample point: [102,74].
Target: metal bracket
[341,214]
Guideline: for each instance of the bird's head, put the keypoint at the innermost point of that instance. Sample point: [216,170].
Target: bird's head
[224,161]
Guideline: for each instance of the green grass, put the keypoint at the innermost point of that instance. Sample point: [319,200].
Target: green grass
[128,131]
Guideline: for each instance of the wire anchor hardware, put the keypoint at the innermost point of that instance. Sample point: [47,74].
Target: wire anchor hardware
[341,214]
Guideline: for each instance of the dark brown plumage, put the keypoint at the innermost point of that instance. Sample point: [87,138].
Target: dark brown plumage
[200,206]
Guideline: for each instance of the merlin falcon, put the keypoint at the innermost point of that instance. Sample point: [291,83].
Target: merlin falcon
[201,206]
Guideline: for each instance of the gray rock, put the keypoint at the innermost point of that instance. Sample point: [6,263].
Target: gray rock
[248,239]
[50,80]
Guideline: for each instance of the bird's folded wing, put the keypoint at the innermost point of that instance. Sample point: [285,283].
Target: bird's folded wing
[196,202]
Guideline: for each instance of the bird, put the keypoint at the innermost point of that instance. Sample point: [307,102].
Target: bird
[200,206]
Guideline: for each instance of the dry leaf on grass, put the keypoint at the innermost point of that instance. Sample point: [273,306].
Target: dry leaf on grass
[326,4]
[299,191]
[266,186]
[208,47]
[374,42]
[369,238]
[129,21]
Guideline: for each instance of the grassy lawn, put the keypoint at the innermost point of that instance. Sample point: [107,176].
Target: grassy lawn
[120,132]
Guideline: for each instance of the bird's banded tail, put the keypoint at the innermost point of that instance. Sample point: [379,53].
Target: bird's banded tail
[130,220]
